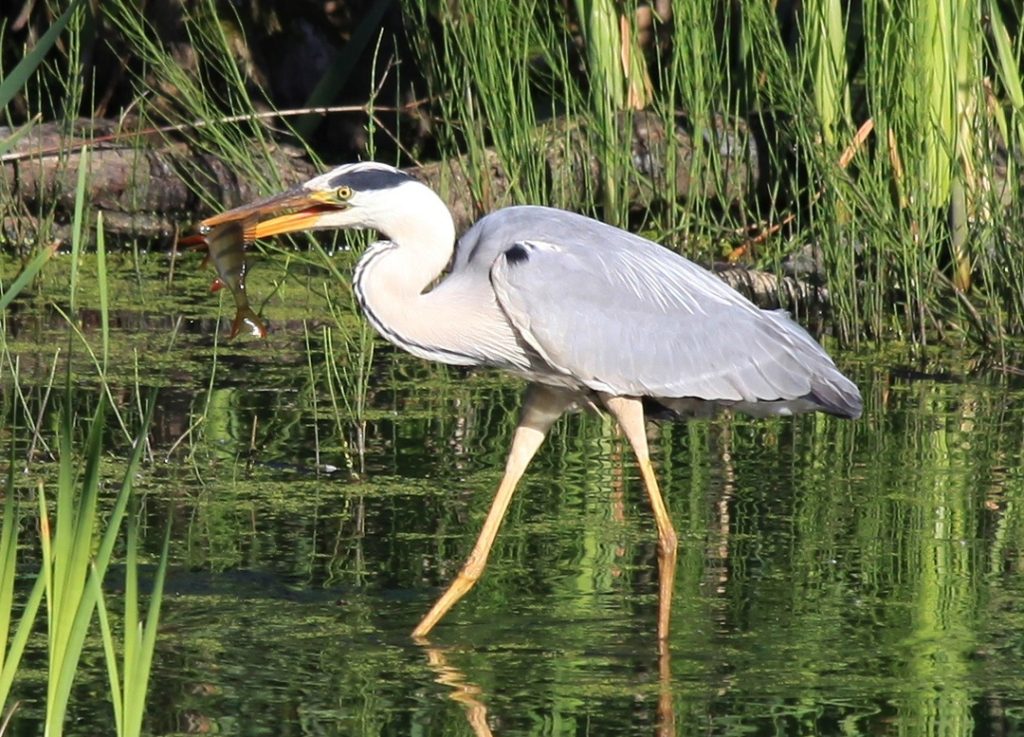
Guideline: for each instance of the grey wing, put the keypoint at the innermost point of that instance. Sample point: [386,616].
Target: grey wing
[632,318]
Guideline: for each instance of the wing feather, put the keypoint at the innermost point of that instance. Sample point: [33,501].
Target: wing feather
[627,316]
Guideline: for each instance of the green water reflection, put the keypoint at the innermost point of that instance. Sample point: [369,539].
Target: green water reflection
[833,577]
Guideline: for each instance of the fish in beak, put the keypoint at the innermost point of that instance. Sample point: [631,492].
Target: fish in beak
[289,212]
[226,235]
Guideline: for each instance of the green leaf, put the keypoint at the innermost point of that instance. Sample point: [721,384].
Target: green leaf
[28,618]
[101,278]
[109,651]
[76,225]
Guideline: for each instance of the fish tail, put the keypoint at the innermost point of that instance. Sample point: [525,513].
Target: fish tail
[248,319]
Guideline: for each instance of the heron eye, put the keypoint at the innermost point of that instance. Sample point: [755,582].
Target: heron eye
[343,193]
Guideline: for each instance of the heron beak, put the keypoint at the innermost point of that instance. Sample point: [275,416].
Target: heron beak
[288,212]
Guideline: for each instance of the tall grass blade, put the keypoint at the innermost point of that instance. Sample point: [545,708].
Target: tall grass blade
[117,514]
[101,280]
[76,227]
[20,639]
[129,684]
[11,141]
[142,657]
[109,652]
[8,559]
[27,274]
[1007,63]
[1008,70]
[10,653]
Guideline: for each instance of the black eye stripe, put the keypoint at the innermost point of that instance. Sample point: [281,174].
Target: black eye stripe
[370,179]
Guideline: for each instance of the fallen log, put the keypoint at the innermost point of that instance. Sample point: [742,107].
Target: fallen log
[149,187]
[156,184]
[146,186]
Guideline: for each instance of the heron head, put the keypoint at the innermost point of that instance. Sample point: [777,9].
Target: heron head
[362,195]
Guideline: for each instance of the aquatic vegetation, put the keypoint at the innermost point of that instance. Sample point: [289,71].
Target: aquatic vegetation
[317,486]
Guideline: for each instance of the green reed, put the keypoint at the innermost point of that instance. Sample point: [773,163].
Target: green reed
[12,648]
[914,225]
[70,527]
[75,540]
[129,684]
[70,557]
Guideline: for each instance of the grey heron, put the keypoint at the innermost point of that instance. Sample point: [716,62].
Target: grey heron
[590,315]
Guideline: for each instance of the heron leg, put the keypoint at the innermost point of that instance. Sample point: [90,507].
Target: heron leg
[629,413]
[541,407]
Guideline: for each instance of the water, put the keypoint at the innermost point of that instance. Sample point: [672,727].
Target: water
[833,577]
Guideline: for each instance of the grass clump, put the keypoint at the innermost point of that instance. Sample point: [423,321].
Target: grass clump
[73,566]
[871,135]
[129,684]
[881,140]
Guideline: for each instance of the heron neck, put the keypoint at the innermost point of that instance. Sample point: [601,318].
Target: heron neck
[420,238]
[391,283]
[391,272]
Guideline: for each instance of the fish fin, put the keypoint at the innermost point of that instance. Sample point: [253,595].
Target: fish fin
[217,284]
[247,318]
[194,243]
[196,240]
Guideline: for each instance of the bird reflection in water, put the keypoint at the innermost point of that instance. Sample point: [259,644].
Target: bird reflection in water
[466,693]
[472,699]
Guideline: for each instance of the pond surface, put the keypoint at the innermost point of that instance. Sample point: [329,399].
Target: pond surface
[834,577]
